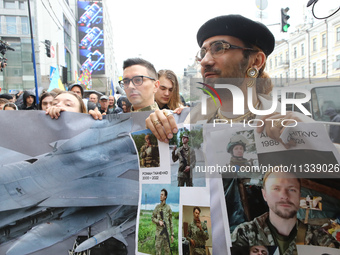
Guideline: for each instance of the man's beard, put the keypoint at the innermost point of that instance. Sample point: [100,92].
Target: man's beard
[285,213]
[235,77]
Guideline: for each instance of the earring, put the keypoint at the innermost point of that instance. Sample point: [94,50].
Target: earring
[252,73]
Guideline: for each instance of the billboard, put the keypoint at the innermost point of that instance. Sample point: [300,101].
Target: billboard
[91,37]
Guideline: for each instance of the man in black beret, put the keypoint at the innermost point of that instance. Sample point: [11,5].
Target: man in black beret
[233,50]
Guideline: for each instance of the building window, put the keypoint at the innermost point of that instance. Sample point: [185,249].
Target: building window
[22,5]
[302,49]
[324,66]
[11,25]
[303,72]
[324,40]
[275,61]
[9,4]
[337,58]
[287,77]
[24,25]
[281,80]
[338,34]
[314,69]
[67,33]
[314,44]
[281,60]
[295,74]
[271,63]
[287,57]
[295,52]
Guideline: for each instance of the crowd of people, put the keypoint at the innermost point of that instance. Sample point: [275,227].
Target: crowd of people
[166,97]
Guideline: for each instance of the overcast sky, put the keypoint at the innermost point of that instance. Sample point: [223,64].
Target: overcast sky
[164,32]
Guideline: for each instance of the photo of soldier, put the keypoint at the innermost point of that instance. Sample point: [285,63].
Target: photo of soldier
[254,250]
[283,222]
[241,143]
[187,156]
[197,238]
[147,146]
[158,219]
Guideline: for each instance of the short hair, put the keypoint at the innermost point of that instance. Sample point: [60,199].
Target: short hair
[196,208]
[3,101]
[12,105]
[175,99]
[43,95]
[266,175]
[82,106]
[141,62]
[165,192]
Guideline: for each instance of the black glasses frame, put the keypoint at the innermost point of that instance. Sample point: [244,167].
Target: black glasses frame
[126,81]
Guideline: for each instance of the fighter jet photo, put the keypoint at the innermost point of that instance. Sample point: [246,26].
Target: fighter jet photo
[87,173]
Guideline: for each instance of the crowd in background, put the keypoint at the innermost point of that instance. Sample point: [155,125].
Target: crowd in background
[167,97]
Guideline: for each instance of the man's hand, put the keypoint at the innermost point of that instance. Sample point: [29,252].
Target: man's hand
[96,114]
[54,112]
[162,125]
[161,223]
[192,242]
[187,169]
[273,126]
[199,224]
[175,147]
[172,239]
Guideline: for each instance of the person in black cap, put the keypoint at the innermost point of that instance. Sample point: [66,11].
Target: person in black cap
[233,50]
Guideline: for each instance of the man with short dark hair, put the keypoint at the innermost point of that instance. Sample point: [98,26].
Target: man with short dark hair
[162,217]
[197,233]
[140,83]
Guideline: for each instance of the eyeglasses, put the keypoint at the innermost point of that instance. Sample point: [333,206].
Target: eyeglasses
[217,49]
[136,80]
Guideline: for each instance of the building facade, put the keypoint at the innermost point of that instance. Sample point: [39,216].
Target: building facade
[310,55]
[53,22]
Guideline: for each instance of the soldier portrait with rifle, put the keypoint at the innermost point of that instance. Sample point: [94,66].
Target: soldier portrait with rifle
[162,217]
[187,161]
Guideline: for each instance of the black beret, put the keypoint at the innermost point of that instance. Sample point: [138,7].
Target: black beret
[6,96]
[240,27]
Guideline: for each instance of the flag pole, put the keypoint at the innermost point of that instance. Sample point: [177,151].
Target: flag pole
[33,54]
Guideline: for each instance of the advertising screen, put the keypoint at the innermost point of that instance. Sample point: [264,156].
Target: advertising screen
[91,37]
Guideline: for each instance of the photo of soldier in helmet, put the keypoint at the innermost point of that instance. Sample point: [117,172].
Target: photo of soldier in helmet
[237,146]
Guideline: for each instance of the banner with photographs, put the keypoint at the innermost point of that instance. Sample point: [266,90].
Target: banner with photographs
[262,181]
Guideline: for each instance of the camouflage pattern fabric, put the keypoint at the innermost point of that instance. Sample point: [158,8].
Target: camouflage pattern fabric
[190,157]
[239,162]
[152,107]
[199,237]
[257,232]
[149,156]
[161,240]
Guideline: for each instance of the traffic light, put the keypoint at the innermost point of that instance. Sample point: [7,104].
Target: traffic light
[284,20]
[48,48]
